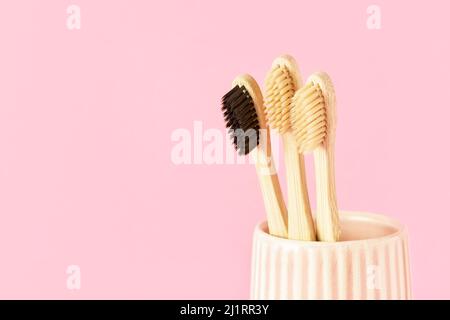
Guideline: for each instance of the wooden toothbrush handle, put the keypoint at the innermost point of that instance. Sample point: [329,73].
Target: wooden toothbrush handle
[327,217]
[300,222]
[272,195]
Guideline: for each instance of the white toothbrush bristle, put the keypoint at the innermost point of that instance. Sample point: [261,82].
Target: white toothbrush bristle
[280,88]
[309,119]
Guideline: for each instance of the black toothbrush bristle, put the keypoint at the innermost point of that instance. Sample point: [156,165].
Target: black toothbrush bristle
[241,119]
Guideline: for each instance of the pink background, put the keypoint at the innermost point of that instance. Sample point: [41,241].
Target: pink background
[86,118]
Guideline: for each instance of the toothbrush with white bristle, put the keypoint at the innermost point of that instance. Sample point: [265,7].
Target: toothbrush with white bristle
[282,82]
[314,122]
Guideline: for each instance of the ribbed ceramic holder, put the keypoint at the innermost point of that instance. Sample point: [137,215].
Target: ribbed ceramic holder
[371,261]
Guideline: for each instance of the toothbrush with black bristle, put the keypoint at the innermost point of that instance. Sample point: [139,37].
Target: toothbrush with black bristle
[243,112]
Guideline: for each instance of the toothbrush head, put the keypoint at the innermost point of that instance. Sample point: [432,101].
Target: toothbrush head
[313,113]
[242,111]
[282,82]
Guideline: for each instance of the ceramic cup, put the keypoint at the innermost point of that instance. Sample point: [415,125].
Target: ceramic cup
[371,261]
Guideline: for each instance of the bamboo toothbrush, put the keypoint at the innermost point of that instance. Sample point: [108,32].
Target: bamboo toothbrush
[314,122]
[244,116]
[282,82]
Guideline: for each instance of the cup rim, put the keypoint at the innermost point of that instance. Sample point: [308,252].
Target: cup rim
[343,215]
